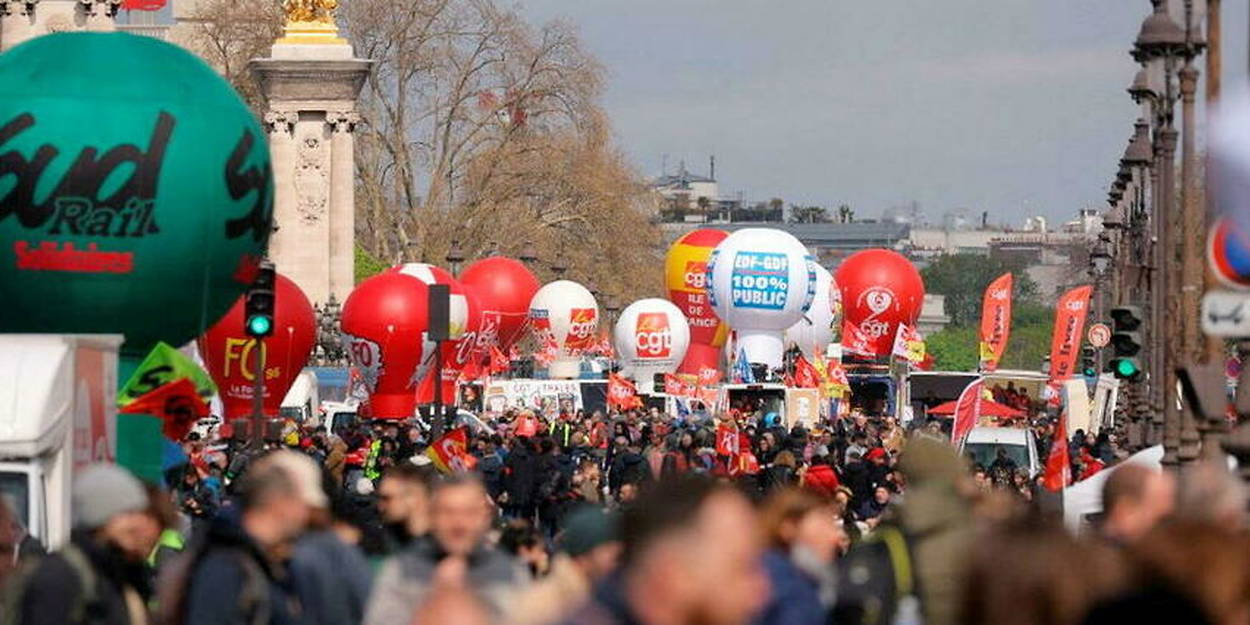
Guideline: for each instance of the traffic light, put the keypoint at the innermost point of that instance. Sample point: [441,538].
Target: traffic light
[1089,365]
[1126,340]
[259,302]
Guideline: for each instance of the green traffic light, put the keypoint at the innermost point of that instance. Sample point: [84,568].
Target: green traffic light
[1125,368]
[259,325]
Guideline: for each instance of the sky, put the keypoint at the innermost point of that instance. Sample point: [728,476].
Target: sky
[1015,107]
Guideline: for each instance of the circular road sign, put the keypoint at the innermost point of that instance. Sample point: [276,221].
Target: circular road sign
[1099,335]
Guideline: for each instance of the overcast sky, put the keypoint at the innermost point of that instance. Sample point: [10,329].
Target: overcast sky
[1012,106]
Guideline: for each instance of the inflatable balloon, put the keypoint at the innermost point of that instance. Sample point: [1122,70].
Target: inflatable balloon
[230,354]
[565,313]
[761,281]
[134,202]
[504,288]
[685,271]
[813,333]
[880,289]
[384,323]
[464,322]
[651,337]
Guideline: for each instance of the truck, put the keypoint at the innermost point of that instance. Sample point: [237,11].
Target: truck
[301,400]
[57,415]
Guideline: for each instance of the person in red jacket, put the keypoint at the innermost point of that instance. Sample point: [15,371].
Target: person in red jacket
[820,478]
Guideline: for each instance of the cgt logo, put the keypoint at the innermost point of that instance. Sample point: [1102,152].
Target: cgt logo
[1076,305]
[696,275]
[582,324]
[652,336]
[998,295]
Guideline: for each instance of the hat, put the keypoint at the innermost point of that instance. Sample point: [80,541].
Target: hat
[103,491]
[304,473]
[586,528]
[874,453]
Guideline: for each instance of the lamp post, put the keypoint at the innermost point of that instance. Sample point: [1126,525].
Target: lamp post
[455,256]
[558,265]
[1159,44]
[528,255]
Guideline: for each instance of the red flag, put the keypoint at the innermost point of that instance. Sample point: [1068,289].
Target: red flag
[748,464]
[805,375]
[622,394]
[675,385]
[177,403]
[856,342]
[143,5]
[526,425]
[709,376]
[498,362]
[967,410]
[995,321]
[548,353]
[1065,343]
[726,440]
[451,452]
[471,371]
[1058,467]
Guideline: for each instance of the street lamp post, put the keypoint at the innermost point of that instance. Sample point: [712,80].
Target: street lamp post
[455,256]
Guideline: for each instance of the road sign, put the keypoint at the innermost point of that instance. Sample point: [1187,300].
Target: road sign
[1226,314]
[1099,335]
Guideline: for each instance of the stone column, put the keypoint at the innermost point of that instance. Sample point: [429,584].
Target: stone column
[342,201]
[17,22]
[25,19]
[312,85]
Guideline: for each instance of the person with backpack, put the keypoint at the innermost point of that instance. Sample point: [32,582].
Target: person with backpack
[99,577]
[235,574]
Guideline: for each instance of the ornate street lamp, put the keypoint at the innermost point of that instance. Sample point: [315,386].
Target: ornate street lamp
[1100,257]
[559,266]
[528,255]
[455,256]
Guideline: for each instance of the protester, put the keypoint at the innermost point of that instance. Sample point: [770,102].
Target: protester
[99,577]
[1134,499]
[690,555]
[330,576]
[589,551]
[237,573]
[403,503]
[460,517]
[803,538]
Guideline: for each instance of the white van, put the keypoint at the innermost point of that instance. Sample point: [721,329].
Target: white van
[982,444]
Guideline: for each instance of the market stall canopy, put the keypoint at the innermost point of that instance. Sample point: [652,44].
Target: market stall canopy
[989,408]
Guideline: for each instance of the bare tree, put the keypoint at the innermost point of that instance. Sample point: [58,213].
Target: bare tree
[229,33]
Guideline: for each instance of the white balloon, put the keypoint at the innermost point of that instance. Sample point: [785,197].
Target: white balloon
[651,337]
[813,333]
[567,313]
[761,281]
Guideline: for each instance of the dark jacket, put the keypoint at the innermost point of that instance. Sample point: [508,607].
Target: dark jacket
[794,598]
[54,593]
[777,477]
[331,579]
[607,606]
[628,468]
[231,582]
[521,476]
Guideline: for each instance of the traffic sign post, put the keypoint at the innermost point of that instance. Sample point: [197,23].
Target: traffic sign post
[1099,335]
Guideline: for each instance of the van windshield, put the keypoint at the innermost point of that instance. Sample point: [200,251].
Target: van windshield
[984,454]
[15,489]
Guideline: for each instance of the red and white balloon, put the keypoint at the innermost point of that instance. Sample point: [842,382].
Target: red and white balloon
[565,313]
[384,323]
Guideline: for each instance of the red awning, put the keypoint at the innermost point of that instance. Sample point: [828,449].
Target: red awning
[989,408]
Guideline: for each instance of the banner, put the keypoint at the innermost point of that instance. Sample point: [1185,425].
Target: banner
[967,410]
[678,387]
[1058,466]
[805,374]
[178,405]
[803,407]
[143,5]
[726,440]
[450,454]
[163,365]
[908,344]
[742,368]
[622,394]
[995,321]
[854,341]
[499,363]
[1065,343]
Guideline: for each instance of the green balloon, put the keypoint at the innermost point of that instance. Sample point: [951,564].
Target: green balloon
[136,192]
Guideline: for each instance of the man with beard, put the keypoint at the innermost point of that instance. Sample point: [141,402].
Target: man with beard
[403,502]
[691,555]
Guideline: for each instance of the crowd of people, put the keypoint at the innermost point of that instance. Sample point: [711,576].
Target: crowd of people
[634,517]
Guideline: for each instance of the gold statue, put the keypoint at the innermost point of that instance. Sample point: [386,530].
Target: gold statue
[310,11]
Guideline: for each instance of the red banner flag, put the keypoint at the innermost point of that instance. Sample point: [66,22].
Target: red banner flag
[995,321]
[1065,343]
[805,374]
[854,341]
[177,403]
[472,371]
[967,410]
[144,5]
[1058,466]
[622,394]
[726,440]
[451,452]
[499,363]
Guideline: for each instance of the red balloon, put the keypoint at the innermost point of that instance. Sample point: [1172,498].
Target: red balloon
[880,289]
[230,354]
[504,288]
[384,323]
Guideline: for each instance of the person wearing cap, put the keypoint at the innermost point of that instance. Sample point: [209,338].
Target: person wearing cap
[589,549]
[99,577]
[238,572]
[330,575]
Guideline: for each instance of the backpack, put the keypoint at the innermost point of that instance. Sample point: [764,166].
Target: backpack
[876,582]
[87,602]
[253,598]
